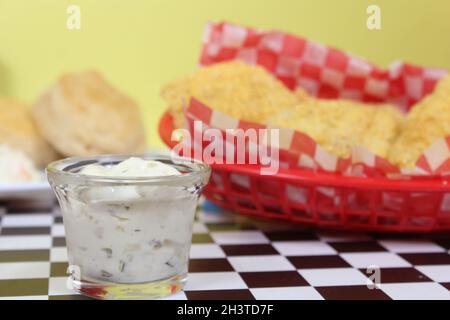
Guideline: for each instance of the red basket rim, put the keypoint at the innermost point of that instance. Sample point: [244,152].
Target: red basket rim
[405,183]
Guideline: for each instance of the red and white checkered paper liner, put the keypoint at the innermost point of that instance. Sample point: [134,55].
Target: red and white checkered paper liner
[295,149]
[324,72]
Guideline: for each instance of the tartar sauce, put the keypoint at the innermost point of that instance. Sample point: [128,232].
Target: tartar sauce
[129,233]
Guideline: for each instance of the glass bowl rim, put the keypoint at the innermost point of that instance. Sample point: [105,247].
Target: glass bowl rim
[202,170]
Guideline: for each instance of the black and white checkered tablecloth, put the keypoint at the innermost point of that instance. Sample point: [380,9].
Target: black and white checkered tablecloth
[237,258]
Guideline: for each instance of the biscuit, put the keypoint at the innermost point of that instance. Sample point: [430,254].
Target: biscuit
[82,114]
[234,88]
[18,130]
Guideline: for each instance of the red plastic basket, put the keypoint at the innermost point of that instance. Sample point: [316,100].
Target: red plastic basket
[410,204]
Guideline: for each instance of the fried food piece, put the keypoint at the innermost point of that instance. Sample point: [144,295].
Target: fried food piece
[237,89]
[338,125]
[251,93]
[302,95]
[18,130]
[427,121]
[82,114]
[384,128]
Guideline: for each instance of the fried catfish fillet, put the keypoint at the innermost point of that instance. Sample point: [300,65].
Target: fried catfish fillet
[427,121]
[338,125]
[237,89]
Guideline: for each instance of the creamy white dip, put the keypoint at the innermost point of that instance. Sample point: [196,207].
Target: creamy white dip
[131,233]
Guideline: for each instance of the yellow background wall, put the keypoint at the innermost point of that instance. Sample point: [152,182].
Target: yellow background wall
[139,45]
